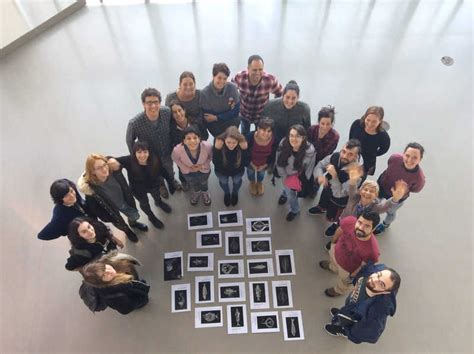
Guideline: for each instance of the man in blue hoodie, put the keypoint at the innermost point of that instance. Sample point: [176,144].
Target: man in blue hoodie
[363,317]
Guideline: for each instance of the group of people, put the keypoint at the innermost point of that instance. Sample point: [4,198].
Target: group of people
[283,143]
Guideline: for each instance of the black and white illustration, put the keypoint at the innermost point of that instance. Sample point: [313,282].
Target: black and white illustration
[181,297]
[285,262]
[258,226]
[258,246]
[230,218]
[205,317]
[231,292]
[259,295]
[292,325]
[237,319]
[282,295]
[200,262]
[234,243]
[265,322]
[204,289]
[231,268]
[200,221]
[260,268]
[173,265]
[209,239]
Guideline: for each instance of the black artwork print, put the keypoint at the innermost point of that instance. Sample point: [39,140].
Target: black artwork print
[292,327]
[210,316]
[229,268]
[172,268]
[180,299]
[260,246]
[230,291]
[282,296]
[234,245]
[264,322]
[199,220]
[258,267]
[285,264]
[210,239]
[237,316]
[198,261]
[259,295]
[204,289]
[260,225]
[228,218]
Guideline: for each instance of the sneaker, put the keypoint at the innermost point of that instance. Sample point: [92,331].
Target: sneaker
[195,198]
[206,198]
[291,216]
[253,188]
[156,222]
[164,192]
[334,311]
[324,265]
[185,186]
[131,235]
[227,199]
[282,200]
[381,228]
[331,230]
[330,292]
[234,199]
[140,226]
[260,188]
[163,206]
[335,330]
[316,210]
[327,246]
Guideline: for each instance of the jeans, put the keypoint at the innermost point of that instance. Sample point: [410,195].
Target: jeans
[292,199]
[392,213]
[251,174]
[236,182]
[244,125]
[197,181]
[131,212]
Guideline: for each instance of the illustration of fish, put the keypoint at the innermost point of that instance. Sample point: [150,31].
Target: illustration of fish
[204,291]
[230,292]
[258,292]
[227,268]
[234,245]
[237,317]
[285,265]
[198,261]
[293,327]
[282,296]
[258,267]
[210,316]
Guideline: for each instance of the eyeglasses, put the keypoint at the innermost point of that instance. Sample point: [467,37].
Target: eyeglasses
[152,103]
[102,167]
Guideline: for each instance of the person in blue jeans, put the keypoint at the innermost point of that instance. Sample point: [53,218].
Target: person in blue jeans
[262,149]
[295,157]
[230,157]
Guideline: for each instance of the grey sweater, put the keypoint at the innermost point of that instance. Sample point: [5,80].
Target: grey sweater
[308,163]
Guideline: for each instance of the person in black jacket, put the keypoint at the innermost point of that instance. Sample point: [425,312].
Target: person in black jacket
[116,280]
[230,157]
[144,174]
[89,239]
[68,205]
[374,140]
[108,194]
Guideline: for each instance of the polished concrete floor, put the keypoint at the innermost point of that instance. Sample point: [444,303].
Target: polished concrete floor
[72,90]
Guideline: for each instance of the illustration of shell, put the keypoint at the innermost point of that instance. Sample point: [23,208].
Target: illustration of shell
[227,268]
[210,316]
[237,317]
[258,292]
[258,267]
[268,322]
[293,327]
[260,226]
[204,291]
[230,292]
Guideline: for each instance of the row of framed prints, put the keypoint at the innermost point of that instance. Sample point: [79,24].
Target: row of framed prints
[230,218]
[229,268]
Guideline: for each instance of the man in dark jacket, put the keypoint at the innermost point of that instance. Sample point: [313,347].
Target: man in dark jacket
[364,315]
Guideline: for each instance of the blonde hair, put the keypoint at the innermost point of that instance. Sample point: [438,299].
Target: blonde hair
[90,177]
[94,271]
[378,111]
[372,184]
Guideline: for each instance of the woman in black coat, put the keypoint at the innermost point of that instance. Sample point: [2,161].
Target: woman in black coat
[89,239]
[116,280]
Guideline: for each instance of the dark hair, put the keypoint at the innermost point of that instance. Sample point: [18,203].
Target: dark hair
[378,111]
[150,92]
[102,232]
[395,277]
[327,112]
[153,163]
[265,123]
[191,130]
[186,74]
[371,216]
[354,143]
[292,85]
[286,150]
[415,146]
[254,57]
[60,188]
[234,133]
[220,68]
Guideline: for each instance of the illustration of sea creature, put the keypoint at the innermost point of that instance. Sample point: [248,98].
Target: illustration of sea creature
[204,291]
[258,292]
[268,322]
[210,316]
[230,292]
[198,261]
[181,300]
[227,268]
[234,245]
[258,267]
[293,327]
[260,246]
[228,218]
[285,265]
[260,226]
[282,295]
[169,265]
[237,317]
[209,238]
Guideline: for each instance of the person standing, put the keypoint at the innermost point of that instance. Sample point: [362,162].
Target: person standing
[187,95]
[323,136]
[255,86]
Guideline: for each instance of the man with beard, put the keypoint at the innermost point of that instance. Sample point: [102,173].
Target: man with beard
[334,196]
[364,315]
[352,246]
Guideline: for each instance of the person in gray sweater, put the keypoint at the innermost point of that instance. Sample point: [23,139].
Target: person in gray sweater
[220,101]
[288,110]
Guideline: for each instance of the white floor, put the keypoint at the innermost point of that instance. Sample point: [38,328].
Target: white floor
[72,90]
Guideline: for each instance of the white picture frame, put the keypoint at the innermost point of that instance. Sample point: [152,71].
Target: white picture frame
[197,262]
[230,218]
[257,268]
[292,325]
[207,317]
[258,226]
[258,246]
[204,289]
[199,221]
[265,322]
[282,294]
[234,245]
[237,319]
[230,268]
[209,239]
[259,295]
[285,262]
[231,292]
[180,298]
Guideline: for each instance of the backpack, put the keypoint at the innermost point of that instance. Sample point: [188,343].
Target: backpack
[91,297]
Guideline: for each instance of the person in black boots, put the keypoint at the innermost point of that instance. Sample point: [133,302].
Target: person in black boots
[89,239]
[230,157]
[116,280]
[68,205]
[108,194]
[144,171]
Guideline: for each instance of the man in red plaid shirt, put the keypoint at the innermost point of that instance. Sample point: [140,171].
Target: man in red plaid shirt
[255,86]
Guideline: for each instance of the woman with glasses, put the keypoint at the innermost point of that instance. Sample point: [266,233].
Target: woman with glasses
[108,194]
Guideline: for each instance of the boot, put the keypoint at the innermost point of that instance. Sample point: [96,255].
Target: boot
[131,235]
[253,188]
[260,188]
[156,222]
[140,226]
[234,199]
